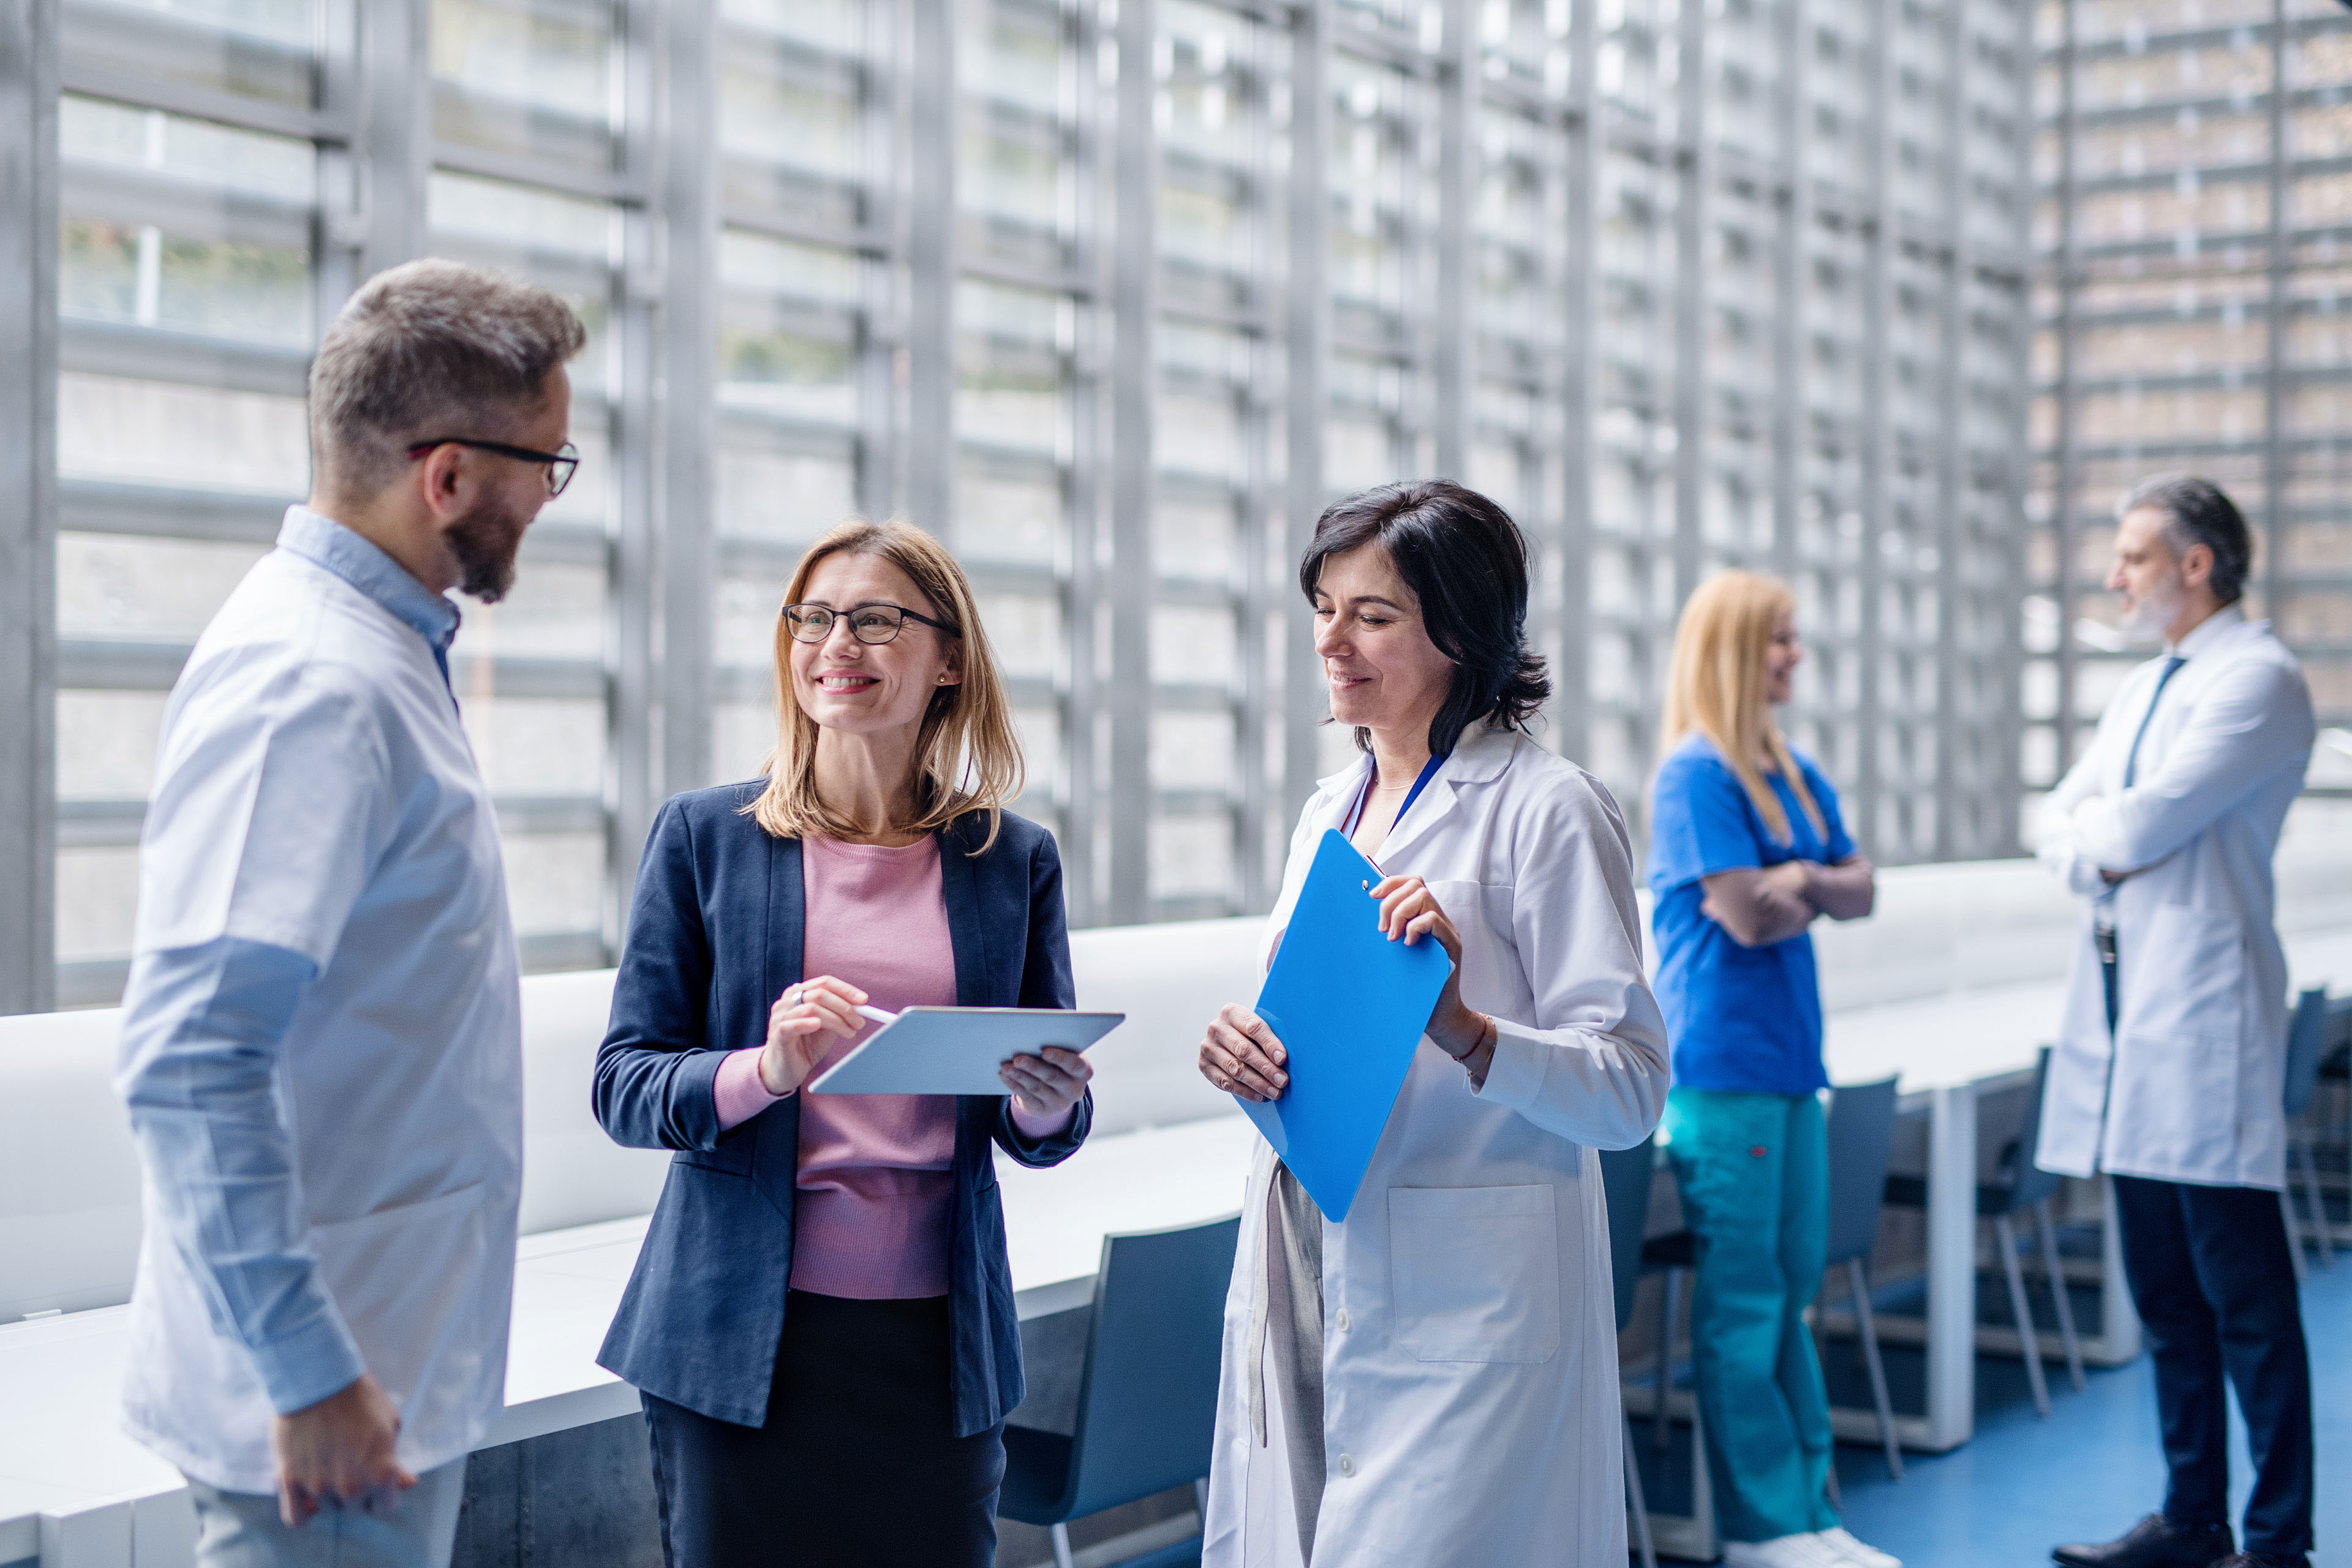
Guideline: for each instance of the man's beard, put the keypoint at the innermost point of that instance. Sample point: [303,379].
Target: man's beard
[2151,613]
[485,542]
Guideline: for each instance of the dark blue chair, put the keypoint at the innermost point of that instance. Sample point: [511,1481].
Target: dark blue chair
[2023,1187]
[1861,1134]
[2306,1039]
[2336,1068]
[1625,1178]
[1147,1398]
[1676,1254]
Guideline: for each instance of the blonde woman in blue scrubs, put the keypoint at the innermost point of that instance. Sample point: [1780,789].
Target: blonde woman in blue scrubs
[1745,849]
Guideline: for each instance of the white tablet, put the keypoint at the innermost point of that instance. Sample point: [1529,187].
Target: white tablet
[956,1051]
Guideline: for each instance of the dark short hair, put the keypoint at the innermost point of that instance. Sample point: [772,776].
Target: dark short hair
[431,348]
[2196,511]
[1466,562]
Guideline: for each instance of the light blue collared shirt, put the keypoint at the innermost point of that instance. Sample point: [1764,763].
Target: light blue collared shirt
[324,542]
[321,1029]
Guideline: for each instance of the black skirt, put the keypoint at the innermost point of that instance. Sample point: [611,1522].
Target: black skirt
[858,1464]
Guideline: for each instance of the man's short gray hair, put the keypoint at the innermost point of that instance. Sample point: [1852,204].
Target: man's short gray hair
[2199,512]
[426,345]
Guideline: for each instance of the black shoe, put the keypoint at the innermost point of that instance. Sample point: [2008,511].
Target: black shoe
[2263,1560]
[2155,1542]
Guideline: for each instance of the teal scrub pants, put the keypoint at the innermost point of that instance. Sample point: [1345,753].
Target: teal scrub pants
[1754,1170]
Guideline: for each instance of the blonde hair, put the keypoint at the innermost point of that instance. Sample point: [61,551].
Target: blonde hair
[1716,687]
[967,757]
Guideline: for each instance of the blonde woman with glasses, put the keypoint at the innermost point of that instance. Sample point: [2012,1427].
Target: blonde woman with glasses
[821,1321]
[1747,847]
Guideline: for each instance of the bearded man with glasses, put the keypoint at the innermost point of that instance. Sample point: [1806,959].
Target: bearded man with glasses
[322,1045]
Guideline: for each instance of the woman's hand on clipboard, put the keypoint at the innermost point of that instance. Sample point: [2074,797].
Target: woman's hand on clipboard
[1410,912]
[802,1025]
[1239,1055]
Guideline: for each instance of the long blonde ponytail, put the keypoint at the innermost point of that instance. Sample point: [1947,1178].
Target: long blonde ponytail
[1716,685]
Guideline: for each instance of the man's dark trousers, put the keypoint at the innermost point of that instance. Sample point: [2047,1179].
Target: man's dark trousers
[2214,1283]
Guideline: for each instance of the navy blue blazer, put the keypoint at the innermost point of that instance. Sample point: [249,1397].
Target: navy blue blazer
[715,932]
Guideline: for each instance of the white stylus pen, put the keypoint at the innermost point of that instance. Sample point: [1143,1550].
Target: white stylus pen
[878,1015]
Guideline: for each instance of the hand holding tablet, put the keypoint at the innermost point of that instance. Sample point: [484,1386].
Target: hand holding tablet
[1047,1084]
[972,1050]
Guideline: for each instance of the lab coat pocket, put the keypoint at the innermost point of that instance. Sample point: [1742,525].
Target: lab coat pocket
[402,1278]
[1474,1273]
[2186,979]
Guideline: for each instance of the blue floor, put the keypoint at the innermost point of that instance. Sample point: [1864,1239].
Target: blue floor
[2022,1485]
[2092,1468]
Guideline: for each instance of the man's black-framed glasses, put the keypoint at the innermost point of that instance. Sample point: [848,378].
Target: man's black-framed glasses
[868,623]
[560,465]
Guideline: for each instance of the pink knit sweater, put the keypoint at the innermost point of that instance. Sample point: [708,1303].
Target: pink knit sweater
[871,1221]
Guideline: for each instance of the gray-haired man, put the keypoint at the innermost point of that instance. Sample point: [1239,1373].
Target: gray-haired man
[2171,1057]
[321,1050]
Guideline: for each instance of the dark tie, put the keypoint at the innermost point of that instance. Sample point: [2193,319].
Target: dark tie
[2131,758]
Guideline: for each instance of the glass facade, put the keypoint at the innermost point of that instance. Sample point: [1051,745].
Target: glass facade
[1115,297]
[2195,240]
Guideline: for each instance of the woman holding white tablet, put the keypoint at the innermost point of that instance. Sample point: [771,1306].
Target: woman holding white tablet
[821,1321]
[1434,1380]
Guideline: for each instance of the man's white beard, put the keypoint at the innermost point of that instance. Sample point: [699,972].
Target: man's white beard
[2149,615]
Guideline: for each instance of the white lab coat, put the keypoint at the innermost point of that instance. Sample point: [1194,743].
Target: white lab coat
[1471,1406]
[2188,1088]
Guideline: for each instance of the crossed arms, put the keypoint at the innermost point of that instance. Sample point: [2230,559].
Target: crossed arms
[1758,906]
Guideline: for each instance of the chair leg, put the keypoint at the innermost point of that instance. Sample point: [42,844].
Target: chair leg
[2022,1311]
[2318,1205]
[1637,1504]
[2293,1232]
[1858,1282]
[1669,1311]
[1706,1540]
[1061,1546]
[2058,1294]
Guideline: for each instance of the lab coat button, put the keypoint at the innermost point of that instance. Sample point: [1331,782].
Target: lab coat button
[1346,1465]
[1343,1320]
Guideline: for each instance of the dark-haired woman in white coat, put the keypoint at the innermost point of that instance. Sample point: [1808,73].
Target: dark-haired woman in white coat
[1433,1380]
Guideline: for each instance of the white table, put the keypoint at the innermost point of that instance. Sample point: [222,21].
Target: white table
[1949,1051]
[73,1488]
[77,1493]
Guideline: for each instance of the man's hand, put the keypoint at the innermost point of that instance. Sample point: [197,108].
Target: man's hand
[337,1451]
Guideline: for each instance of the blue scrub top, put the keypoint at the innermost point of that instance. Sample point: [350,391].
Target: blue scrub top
[1747,1019]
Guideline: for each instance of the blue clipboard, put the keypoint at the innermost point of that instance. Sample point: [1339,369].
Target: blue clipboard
[1350,1006]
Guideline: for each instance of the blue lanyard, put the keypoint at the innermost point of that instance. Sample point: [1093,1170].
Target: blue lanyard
[1363,796]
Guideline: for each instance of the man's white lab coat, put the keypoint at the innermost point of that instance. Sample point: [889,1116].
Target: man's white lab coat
[2189,1087]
